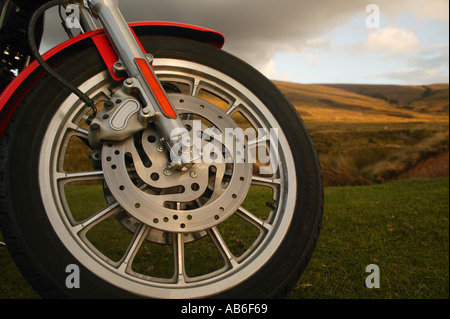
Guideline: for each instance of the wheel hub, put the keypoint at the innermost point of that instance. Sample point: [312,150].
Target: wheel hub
[198,198]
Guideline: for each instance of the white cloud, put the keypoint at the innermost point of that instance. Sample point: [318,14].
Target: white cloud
[394,40]
[319,43]
[257,30]
[269,70]
[417,63]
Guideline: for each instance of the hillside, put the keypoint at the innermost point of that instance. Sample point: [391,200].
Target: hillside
[366,134]
[369,103]
[427,98]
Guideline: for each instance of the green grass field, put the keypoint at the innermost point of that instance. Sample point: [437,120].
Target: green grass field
[402,226]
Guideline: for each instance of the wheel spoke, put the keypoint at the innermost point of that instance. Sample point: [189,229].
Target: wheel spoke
[266,181]
[252,219]
[80,177]
[78,131]
[258,141]
[133,248]
[195,86]
[97,218]
[178,243]
[233,108]
[220,244]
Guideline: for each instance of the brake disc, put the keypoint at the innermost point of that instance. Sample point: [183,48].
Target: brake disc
[183,201]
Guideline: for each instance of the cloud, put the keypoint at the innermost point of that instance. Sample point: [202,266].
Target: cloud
[255,30]
[258,30]
[394,40]
[269,70]
[418,76]
[428,65]
[418,63]
[435,56]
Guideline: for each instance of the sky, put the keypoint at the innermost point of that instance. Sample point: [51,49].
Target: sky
[404,42]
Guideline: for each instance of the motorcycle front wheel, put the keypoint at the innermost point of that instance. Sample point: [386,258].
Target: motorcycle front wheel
[132,228]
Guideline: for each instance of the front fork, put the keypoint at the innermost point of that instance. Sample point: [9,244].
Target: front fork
[154,106]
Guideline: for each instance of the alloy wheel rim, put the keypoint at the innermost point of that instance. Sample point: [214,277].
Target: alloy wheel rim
[53,179]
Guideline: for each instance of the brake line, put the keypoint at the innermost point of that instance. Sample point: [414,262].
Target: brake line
[35,51]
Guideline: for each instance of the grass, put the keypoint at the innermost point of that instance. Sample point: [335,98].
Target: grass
[367,156]
[401,226]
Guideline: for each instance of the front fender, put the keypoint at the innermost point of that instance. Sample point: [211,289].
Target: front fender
[11,97]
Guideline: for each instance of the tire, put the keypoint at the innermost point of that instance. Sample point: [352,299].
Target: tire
[51,189]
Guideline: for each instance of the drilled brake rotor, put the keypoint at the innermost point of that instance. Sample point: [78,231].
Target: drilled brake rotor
[184,201]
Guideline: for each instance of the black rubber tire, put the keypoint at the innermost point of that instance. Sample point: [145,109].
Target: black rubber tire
[34,245]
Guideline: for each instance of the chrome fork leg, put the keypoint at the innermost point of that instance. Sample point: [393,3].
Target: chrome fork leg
[157,106]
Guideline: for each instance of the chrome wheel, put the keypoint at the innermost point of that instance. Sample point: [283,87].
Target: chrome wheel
[201,210]
[240,221]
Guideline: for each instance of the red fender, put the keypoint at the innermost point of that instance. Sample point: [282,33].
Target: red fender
[11,97]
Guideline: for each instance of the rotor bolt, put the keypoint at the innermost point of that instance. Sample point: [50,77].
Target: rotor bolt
[129,83]
[109,105]
[118,66]
[95,128]
[167,171]
[160,148]
[193,174]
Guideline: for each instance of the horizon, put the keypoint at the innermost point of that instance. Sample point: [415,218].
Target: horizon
[368,84]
